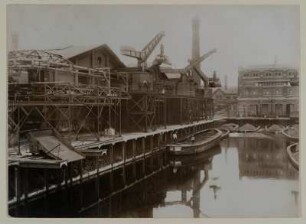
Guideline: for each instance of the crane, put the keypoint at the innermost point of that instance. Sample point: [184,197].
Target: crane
[199,60]
[144,54]
[161,58]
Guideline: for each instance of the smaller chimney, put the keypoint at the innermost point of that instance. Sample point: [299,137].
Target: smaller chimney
[215,76]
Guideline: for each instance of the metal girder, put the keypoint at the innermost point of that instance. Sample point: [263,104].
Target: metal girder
[143,55]
[142,111]
[199,60]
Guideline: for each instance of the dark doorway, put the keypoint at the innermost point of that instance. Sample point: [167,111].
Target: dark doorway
[288,110]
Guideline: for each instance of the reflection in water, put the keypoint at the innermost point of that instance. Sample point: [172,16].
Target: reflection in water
[240,178]
[264,159]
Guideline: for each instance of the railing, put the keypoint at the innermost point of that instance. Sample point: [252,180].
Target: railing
[39,92]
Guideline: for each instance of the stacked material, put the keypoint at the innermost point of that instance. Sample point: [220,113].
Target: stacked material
[293,132]
[230,126]
[248,128]
[276,127]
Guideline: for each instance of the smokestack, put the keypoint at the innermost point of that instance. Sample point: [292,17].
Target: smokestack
[225,82]
[196,39]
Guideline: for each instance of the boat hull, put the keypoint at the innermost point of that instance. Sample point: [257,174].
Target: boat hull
[190,149]
[225,133]
[290,153]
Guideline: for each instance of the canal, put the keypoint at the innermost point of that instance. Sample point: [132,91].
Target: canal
[242,177]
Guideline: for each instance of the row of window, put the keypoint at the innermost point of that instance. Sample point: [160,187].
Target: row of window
[269,74]
[267,92]
[272,84]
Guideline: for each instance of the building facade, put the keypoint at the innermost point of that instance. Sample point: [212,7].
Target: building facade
[268,91]
[225,100]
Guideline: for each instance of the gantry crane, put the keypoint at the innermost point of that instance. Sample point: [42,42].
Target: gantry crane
[144,54]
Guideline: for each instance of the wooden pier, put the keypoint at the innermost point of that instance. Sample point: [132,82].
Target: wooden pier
[105,157]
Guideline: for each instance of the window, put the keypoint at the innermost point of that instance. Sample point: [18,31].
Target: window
[99,61]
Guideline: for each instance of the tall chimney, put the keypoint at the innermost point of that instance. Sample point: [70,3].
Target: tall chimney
[225,82]
[196,47]
[195,39]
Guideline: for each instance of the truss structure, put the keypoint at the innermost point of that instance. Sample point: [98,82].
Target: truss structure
[86,105]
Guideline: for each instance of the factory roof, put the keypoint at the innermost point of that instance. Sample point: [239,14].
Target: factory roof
[74,51]
[225,91]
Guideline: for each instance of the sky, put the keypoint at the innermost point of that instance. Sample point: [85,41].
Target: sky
[242,35]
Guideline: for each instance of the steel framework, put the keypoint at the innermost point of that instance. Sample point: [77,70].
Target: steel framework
[87,105]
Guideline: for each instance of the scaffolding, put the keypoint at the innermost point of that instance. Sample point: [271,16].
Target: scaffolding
[48,91]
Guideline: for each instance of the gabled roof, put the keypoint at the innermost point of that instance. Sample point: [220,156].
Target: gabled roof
[74,51]
[225,91]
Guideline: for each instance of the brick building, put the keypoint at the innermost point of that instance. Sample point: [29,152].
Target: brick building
[268,91]
[225,100]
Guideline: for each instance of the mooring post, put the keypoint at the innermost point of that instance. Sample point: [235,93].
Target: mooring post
[123,148]
[144,158]
[143,142]
[134,148]
[112,155]
[97,178]
[70,174]
[26,183]
[46,180]
[17,184]
[81,171]
[123,145]
[65,176]
[151,143]
[111,181]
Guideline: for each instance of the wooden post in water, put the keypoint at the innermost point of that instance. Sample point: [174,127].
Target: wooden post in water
[144,157]
[81,182]
[26,183]
[123,145]
[70,174]
[151,150]
[46,180]
[97,178]
[17,185]
[112,156]
[151,142]
[134,148]
[181,111]
[65,169]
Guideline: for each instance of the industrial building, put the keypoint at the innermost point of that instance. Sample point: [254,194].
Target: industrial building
[268,91]
[225,101]
[68,109]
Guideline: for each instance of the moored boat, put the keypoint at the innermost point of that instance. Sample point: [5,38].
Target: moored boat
[292,133]
[201,158]
[274,128]
[293,154]
[203,140]
[225,133]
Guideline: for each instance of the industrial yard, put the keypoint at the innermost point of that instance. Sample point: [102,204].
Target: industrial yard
[87,133]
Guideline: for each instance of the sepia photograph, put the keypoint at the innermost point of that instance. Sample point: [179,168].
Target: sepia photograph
[153,111]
